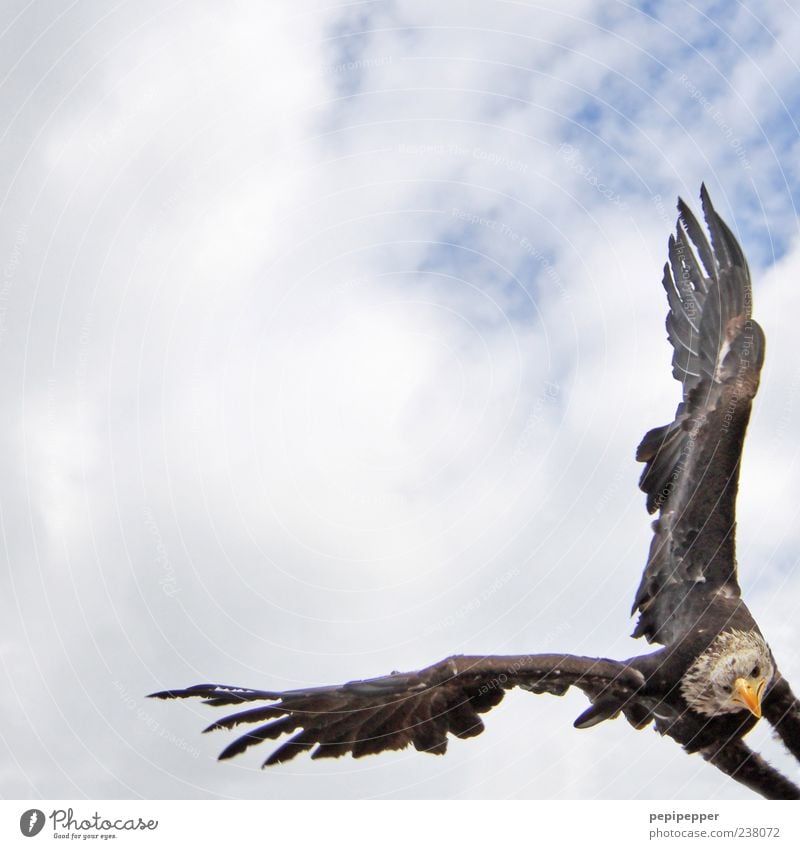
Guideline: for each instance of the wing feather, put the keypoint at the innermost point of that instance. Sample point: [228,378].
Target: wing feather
[736,759]
[692,464]
[782,710]
[416,708]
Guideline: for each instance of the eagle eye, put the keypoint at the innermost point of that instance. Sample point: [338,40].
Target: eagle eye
[756,671]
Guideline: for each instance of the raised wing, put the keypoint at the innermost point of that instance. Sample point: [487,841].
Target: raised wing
[418,708]
[692,465]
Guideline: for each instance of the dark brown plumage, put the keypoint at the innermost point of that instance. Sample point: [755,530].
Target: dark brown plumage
[715,674]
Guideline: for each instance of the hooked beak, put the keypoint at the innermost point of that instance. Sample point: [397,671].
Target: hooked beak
[749,693]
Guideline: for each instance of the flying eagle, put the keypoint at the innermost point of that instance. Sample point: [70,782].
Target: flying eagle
[715,676]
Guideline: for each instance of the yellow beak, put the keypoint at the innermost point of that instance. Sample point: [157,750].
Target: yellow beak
[749,694]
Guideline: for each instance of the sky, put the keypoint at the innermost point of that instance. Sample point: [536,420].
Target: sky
[328,332]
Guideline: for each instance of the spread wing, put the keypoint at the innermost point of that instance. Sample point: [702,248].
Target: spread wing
[692,464]
[419,708]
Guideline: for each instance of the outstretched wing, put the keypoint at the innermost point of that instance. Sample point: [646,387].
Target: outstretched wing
[692,464]
[419,708]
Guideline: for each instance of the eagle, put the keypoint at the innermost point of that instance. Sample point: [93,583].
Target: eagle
[714,676]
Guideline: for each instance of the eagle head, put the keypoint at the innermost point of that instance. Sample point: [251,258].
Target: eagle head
[732,674]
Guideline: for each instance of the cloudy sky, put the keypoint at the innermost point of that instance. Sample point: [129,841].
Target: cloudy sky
[328,331]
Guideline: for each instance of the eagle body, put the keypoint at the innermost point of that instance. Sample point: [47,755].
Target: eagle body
[664,670]
[713,677]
